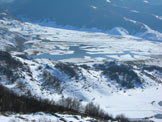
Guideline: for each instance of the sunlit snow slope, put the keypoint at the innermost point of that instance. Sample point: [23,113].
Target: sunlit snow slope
[120,72]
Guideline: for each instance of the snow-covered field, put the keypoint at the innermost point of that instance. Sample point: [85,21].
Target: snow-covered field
[42,117]
[137,103]
[81,46]
[42,43]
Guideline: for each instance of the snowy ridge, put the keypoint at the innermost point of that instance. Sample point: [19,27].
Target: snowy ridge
[151,34]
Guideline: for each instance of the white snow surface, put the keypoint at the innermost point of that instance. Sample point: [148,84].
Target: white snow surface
[133,103]
[45,43]
[42,117]
[72,45]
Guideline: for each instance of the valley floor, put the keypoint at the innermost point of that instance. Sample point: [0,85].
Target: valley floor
[138,103]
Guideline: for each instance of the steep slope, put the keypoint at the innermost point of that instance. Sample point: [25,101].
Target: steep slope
[97,83]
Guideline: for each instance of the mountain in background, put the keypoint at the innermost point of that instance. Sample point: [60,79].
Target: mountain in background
[132,15]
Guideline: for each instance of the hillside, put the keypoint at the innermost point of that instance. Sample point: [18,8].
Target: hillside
[80,60]
[101,14]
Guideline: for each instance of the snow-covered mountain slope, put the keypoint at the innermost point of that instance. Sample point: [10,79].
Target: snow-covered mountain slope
[134,84]
[120,72]
[92,13]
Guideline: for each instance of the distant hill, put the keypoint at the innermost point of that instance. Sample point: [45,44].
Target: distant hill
[102,14]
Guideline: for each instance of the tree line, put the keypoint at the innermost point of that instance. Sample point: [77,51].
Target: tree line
[11,102]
